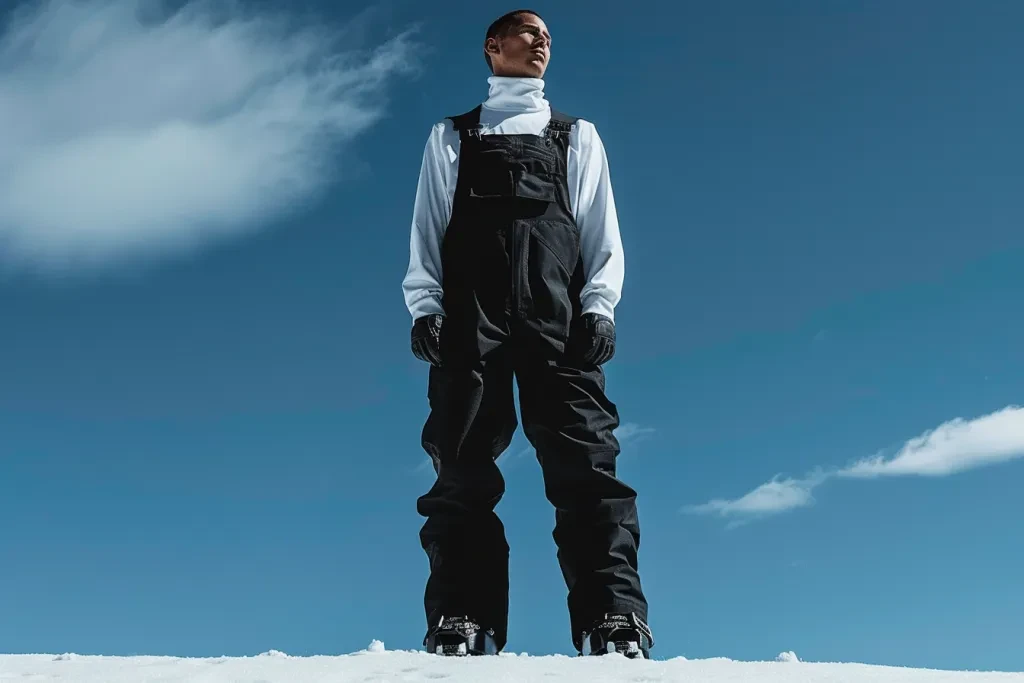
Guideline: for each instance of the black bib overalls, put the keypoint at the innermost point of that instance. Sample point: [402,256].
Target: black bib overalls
[512,276]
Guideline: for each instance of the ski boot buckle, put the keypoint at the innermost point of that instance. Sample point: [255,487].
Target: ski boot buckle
[460,637]
[624,634]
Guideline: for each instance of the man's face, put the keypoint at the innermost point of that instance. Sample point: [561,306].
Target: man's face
[524,51]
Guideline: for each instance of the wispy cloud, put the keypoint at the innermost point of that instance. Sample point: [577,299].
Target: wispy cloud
[628,433]
[520,453]
[423,466]
[631,432]
[771,497]
[126,134]
[954,446]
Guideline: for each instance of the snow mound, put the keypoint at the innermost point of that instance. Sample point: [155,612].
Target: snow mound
[419,667]
[787,657]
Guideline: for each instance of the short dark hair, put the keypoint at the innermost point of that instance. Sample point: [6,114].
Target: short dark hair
[502,25]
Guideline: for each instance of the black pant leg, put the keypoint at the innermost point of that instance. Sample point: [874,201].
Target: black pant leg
[472,421]
[570,421]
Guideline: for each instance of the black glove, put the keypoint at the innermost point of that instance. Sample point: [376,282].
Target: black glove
[598,338]
[426,338]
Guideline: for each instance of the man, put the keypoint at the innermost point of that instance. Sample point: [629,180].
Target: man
[515,269]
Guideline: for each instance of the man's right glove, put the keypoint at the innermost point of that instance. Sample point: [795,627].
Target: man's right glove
[426,338]
[598,342]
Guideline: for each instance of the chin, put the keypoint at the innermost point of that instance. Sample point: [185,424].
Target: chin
[526,71]
[534,71]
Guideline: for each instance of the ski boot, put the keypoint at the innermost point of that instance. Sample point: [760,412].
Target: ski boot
[460,637]
[625,634]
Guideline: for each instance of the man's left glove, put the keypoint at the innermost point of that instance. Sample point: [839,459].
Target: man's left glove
[426,338]
[598,343]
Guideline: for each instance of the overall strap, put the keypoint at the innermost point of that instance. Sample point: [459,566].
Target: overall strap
[560,125]
[468,124]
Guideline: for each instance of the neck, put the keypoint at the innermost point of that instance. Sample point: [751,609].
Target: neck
[516,93]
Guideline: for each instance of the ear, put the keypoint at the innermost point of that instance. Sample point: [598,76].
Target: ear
[492,47]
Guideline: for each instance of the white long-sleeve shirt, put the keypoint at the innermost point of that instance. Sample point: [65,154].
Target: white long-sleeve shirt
[517,106]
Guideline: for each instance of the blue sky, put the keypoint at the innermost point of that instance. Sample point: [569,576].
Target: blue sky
[210,417]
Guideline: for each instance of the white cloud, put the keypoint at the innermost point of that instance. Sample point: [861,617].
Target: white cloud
[771,497]
[423,466]
[627,432]
[631,431]
[521,453]
[952,447]
[127,135]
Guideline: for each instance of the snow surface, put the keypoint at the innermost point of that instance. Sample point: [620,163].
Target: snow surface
[377,665]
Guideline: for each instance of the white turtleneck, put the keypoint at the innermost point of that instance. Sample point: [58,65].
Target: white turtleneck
[515,106]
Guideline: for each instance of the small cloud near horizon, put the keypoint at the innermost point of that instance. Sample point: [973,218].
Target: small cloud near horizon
[954,446]
[627,433]
[631,432]
[768,498]
[130,136]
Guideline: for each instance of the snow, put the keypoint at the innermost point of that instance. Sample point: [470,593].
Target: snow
[377,665]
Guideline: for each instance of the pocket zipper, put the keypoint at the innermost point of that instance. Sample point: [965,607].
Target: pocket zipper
[521,248]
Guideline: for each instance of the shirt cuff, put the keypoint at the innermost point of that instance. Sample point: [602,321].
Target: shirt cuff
[598,304]
[426,306]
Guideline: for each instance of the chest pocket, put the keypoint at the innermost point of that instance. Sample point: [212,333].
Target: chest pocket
[498,174]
